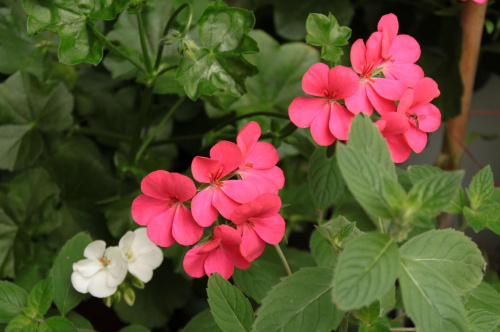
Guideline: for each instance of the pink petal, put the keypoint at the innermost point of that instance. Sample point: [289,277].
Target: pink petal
[262,206]
[218,261]
[265,180]
[396,123]
[247,137]
[404,50]
[160,229]
[381,104]
[240,191]
[340,121]
[425,90]
[194,263]
[223,203]
[400,151]
[164,185]
[228,154]
[343,82]
[409,74]
[373,51]
[233,251]
[359,102]
[204,213]
[262,155]
[252,246]
[270,229]
[416,139]
[429,117]
[227,234]
[185,230]
[315,80]
[303,110]
[389,89]
[405,102]
[153,185]
[204,168]
[389,26]
[145,208]
[358,56]
[320,130]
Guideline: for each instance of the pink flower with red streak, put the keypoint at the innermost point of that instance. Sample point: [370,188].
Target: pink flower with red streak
[374,92]
[221,254]
[161,209]
[399,52]
[259,223]
[392,126]
[221,195]
[326,117]
[423,116]
[259,160]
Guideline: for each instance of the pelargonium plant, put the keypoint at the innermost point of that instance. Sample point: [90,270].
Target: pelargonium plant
[203,176]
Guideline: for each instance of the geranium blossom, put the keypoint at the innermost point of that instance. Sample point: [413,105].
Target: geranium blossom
[259,223]
[161,209]
[326,117]
[220,195]
[101,272]
[423,116]
[259,160]
[392,126]
[142,255]
[221,254]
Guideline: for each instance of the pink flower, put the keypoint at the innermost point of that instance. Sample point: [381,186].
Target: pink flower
[392,125]
[160,208]
[326,117]
[221,254]
[373,92]
[259,223]
[478,1]
[259,160]
[399,52]
[221,195]
[422,116]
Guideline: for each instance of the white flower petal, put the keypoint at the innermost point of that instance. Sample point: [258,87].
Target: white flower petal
[141,244]
[117,268]
[126,241]
[98,286]
[80,283]
[141,270]
[95,250]
[88,267]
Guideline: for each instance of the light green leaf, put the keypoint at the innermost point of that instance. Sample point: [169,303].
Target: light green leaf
[370,313]
[322,251]
[430,300]
[12,300]
[220,64]
[325,181]
[231,310]
[307,308]
[486,217]
[366,270]
[421,172]
[377,326]
[484,297]
[449,253]
[339,231]
[203,322]
[57,324]
[21,324]
[72,21]
[458,203]
[65,296]
[40,297]
[482,320]
[481,188]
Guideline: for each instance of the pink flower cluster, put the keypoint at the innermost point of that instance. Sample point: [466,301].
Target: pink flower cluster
[383,77]
[240,182]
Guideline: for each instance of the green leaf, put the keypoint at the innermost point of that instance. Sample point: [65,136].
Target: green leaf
[481,188]
[231,310]
[322,251]
[21,324]
[421,172]
[484,297]
[366,270]
[377,326]
[40,297]
[279,81]
[258,279]
[220,64]
[135,328]
[370,313]
[326,32]
[8,231]
[449,253]
[65,296]
[28,108]
[57,324]
[203,322]
[430,300]
[325,181]
[430,196]
[12,300]
[482,320]
[487,217]
[79,321]
[458,203]
[339,231]
[307,308]
[73,22]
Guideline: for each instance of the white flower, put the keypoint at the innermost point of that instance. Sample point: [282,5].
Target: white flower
[142,255]
[102,271]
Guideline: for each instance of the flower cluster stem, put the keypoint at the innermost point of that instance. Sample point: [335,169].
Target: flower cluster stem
[143,112]
[283,259]
[144,46]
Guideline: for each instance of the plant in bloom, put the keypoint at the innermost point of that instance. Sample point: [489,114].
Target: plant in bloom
[327,118]
[259,222]
[221,254]
[161,209]
[142,255]
[101,271]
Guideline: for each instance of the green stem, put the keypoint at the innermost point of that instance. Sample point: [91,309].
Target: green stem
[397,319]
[116,49]
[408,329]
[178,139]
[101,133]
[144,46]
[143,112]
[167,29]
[283,259]
[248,115]
[344,325]
[164,70]
[157,129]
